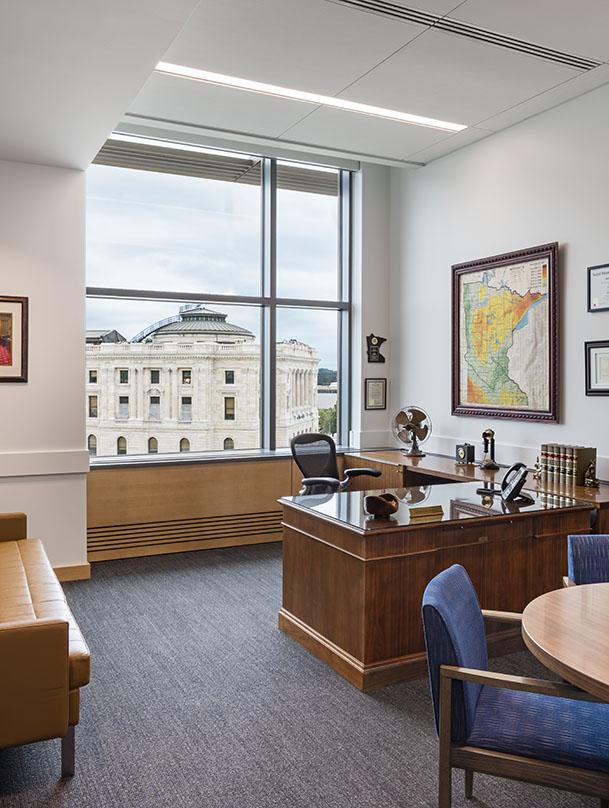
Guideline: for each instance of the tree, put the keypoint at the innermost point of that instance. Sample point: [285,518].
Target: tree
[327,420]
[325,376]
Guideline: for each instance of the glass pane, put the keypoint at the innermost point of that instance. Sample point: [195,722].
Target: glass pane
[176,360]
[307,232]
[165,232]
[307,373]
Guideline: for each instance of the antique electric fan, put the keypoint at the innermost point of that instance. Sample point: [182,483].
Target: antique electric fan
[412,426]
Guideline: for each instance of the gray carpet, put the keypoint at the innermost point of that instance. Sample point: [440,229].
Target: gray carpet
[198,700]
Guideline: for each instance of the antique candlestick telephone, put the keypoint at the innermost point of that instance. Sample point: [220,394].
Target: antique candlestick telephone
[488,455]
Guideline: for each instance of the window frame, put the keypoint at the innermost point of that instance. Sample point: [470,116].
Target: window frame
[268,302]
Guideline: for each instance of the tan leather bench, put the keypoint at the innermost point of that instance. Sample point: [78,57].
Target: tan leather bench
[44,659]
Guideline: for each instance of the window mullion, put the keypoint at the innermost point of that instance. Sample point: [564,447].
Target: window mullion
[344,292]
[269,308]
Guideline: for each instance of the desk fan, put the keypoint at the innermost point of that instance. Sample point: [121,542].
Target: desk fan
[411,427]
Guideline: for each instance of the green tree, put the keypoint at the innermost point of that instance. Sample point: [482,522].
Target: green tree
[327,420]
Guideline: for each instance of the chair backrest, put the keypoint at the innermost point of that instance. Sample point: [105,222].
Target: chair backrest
[315,455]
[588,558]
[454,635]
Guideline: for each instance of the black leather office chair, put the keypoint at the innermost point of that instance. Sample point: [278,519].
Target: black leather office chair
[315,456]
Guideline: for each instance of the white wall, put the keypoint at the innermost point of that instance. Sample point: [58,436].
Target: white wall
[546,179]
[370,296]
[42,456]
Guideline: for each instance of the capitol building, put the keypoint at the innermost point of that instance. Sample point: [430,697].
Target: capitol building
[192,383]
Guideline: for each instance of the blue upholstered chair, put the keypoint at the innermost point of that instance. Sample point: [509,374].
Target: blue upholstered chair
[533,730]
[588,560]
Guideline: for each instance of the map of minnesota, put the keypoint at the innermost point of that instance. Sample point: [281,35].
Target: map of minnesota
[504,314]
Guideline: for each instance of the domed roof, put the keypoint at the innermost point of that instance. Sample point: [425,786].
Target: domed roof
[196,321]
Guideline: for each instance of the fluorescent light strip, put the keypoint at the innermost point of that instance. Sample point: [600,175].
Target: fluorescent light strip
[172,144]
[181,71]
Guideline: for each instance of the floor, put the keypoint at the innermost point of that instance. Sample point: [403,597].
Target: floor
[197,699]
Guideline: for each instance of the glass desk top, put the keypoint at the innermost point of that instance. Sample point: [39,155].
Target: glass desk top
[458,501]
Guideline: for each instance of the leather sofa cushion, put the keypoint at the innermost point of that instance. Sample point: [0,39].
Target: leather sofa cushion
[29,590]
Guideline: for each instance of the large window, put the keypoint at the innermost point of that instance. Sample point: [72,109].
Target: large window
[207,269]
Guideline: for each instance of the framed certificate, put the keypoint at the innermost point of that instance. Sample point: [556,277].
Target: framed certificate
[376,394]
[597,368]
[598,288]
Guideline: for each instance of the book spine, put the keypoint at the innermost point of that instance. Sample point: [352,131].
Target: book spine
[552,464]
[543,464]
[563,466]
[570,470]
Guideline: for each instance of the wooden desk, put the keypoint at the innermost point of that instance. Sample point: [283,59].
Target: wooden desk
[397,469]
[352,588]
[567,631]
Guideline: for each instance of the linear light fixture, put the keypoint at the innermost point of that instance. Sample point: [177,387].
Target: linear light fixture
[126,137]
[193,73]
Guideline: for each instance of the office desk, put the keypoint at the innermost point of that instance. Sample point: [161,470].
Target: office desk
[352,587]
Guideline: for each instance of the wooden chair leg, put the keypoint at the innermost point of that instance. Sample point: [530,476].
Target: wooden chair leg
[469,785]
[67,754]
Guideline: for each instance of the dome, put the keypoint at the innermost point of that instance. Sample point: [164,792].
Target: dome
[196,321]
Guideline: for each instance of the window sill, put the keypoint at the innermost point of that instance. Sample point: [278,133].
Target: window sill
[196,458]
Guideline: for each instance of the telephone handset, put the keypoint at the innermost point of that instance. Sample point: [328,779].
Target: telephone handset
[513,482]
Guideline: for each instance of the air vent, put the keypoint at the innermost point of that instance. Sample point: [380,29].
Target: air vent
[451,26]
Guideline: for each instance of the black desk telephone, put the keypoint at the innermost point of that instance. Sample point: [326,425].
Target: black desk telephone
[511,486]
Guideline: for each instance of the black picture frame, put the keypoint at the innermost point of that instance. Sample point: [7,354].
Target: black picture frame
[548,255]
[370,394]
[589,347]
[593,309]
[13,339]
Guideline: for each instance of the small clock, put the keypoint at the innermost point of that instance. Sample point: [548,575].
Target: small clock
[465,453]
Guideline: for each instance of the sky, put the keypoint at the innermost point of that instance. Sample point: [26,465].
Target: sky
[155,231]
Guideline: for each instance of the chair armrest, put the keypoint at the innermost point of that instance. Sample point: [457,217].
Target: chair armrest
[566,581]
[13,526]
[503,617]
[329,481]
[541,686]
[349,473]
[34,681]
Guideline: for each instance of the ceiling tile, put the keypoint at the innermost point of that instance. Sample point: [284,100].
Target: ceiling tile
[317,45]
[455,79]
[448,145]
[216,107]
[578,28]
[362,134]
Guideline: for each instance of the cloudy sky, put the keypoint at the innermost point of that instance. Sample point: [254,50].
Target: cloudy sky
[167,232]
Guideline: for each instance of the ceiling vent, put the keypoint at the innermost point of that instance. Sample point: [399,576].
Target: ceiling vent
[451,26]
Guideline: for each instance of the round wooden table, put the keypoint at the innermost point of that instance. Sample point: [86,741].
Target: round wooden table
[568,631]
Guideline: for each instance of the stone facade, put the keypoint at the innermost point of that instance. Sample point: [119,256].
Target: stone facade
[192,383]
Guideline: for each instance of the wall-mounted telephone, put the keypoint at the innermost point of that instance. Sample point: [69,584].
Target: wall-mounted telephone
[512,484]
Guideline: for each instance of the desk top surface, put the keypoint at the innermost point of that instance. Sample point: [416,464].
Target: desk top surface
[459,501]
[567,630]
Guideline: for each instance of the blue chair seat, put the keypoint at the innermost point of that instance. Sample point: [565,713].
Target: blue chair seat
[574,733]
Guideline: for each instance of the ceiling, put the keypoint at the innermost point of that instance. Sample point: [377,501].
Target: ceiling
[430,64]
[70,68]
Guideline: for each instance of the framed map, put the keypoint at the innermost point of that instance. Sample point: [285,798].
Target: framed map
[505,335]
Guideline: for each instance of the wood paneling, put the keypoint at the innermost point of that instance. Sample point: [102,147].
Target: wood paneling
[165,509]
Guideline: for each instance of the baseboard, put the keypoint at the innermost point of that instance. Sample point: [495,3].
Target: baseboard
[73,572]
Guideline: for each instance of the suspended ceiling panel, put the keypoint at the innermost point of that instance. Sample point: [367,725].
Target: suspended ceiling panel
[70,68]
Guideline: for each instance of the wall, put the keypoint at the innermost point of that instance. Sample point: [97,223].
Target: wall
[546,179]
[370,295]
[42,456]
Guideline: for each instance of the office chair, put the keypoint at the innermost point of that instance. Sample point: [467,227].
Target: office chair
[588,559]
[315,456]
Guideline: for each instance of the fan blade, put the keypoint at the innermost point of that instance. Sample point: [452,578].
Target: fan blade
[401,418]
[421,431]
[417,416]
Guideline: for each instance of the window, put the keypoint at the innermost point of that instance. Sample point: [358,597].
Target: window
[153,446]
[92,406]
[123,406]
[92,445]
[229,408]
[121,446]
[229,443]
[269,242]
[186,408]
[185,445]
[154,409]
[92,377]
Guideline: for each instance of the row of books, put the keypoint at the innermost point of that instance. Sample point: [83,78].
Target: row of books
[564,466]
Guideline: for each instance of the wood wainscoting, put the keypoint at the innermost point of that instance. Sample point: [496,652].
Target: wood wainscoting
[149,510]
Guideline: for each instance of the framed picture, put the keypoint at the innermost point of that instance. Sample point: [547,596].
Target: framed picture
[597,368]
[505,335]
[376,394]
[13,339]
[598,288]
